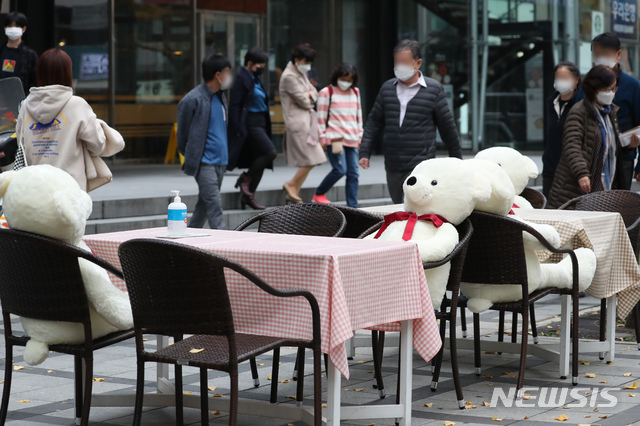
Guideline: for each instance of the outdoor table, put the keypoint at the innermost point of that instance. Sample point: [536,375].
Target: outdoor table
[358,284]
[617,277]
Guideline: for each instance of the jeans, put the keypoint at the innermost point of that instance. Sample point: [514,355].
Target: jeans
[345,163]
[209,205]
[395,180]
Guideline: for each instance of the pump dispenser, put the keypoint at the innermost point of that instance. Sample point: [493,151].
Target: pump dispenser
[177,219]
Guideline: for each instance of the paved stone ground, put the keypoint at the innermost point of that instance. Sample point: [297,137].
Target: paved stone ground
[43,395]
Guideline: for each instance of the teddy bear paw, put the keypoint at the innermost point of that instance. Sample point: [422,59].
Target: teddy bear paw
[36,352]
[478,305]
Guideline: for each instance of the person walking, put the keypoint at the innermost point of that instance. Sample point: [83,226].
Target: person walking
[568,92]
[606,51]
[301,146]
[405,116]
[340,130]
[250,144]
[592,157]
[202,139]
[57,128]
[17,59]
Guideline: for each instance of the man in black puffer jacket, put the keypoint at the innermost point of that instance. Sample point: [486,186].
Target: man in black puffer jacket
[405,116]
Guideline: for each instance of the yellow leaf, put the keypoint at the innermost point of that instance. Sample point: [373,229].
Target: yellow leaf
[324,405]
[448,423]
[489,376]
[495,419]
[23,401]
[49,371]
[291,396]
[187,393]
[217,395]
[284,381]
[63,402]
[603,417]
[269,377]
[370,372]
[429,404]
[485,403]
[469,407]
[215,413]
[261,364]
[633,386]
[358,389]
[211,388]
[583,362]
[18,368]
[627,374]
[603,381]
[98,379]
[196,351]
[632,395]
[562,418]
[591,375]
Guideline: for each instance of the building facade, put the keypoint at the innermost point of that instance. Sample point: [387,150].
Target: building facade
[135,59]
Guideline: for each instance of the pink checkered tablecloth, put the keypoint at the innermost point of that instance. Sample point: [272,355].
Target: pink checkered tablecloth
[358,284]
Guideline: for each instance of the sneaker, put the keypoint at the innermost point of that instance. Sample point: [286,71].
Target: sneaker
[321,199]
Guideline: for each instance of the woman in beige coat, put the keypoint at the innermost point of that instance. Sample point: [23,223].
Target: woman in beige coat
[298,96]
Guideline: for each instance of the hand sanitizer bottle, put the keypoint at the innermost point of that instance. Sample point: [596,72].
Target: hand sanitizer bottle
[177,222]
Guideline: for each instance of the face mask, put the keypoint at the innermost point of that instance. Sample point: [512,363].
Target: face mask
[344,85]
[227,83]
[13,33]
[603,60]
[404,72]
[304,68]
[258,71]
[564,86]
[605,98]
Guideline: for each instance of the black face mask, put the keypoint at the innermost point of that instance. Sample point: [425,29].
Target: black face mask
[258,72]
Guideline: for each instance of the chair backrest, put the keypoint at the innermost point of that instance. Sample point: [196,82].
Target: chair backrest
[359,223]
[626,203]
[176,289]
[465,231]
[40,278]
[495,254]
[536,198]
[302,219]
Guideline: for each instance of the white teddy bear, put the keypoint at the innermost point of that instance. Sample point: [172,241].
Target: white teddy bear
[438,195]
[48,201]
[519,168]
[560,275]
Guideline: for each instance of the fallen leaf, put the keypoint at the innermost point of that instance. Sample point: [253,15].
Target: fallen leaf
[145,340]
[526,418]
[603,417]
[284,381]
[324,405]
[526,396]
[23,401]
[603,381]
[211,388]
[261,364]
[495,419]
[583,362]
[269,377]
[291,397]
[591,375]
[64,402]
[627,374]
[187,393]
[448,423]
[489,376]
[633,386]
[49,371]
[98,379]
[215,413]
[347,389]
[469,407]
[562,418]
[632,395]
[196,351]
[596,409]
[18,367]
[491,384]
[489,352]
[358,389]
[486,404]
[217,395]
[371,372]
[429,404]
[362,362]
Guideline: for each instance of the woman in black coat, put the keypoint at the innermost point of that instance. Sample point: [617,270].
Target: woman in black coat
[568,92]
[249,139]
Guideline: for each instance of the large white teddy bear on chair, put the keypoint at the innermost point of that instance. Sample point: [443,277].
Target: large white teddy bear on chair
[539,275]
[438,195]
[48,201]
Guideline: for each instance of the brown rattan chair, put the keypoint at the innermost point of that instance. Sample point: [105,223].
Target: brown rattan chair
[359,222]
[301,219]
[177,290]
[626,203]
[500,261]
[536,198]
[447,312]
[40,279]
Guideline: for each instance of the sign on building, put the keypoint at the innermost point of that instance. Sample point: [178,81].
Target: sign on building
[624,17]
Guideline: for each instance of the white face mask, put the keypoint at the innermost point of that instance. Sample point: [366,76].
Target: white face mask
[13,33]
[344,85]
[304,68]
[227,83]
[603,60]
[606,98]
[404,72]
[564,86]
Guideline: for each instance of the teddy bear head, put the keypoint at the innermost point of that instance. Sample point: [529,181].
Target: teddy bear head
[45,200]
[502,192]
[520,168]
[447,187]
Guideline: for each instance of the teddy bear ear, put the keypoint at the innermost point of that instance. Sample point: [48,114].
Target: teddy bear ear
[72,206]
[5,180]
[482,189]
[532,168]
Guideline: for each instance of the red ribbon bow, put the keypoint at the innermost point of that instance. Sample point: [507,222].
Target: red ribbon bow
[412,219]
[515,206]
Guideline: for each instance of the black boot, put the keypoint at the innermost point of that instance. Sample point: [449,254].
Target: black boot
[243,183]
[248,200]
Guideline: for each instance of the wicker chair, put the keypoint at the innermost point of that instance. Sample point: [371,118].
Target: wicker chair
[300,219]
[37,265]
[457,259]
[359,222]
[536,198]
[626,203]
[501,261]
[153,271]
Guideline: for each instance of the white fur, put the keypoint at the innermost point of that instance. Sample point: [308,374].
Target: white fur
[458,187]
[48,201]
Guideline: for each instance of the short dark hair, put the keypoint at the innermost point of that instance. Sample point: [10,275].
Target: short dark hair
[342,70]
[255,55]
[608,40]
[213,64]
[16,17]
[598,78]
[54,67]
[411,45]
[573,69]
[303,51]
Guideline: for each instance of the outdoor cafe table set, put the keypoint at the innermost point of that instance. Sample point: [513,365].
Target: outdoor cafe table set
[359,284]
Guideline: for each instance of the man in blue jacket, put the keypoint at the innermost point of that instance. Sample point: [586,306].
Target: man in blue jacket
[606,51]
[202,139]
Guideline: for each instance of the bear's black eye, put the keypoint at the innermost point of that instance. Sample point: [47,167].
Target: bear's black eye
[434,182]
[499,164]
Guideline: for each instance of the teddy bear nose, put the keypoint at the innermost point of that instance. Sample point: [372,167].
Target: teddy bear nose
[412,181]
